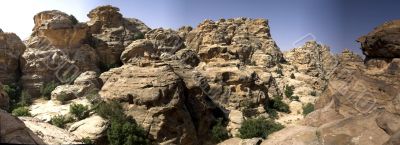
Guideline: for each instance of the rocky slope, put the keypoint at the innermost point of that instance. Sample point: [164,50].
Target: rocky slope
[177,84]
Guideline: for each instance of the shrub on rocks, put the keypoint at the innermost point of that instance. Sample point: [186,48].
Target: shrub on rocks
[258,127]
[79,111]
[46,89]
[308,108]
[219,132]
[21,111]
[60,120]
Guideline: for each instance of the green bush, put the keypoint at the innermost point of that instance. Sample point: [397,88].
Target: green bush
[86,140]
[60,120]
[219,132]
[123,130]
[13,91]
[274,105]
[292,76]
[137,36]
[308,108]
[313,93]
[126,133]
[46,89]
[279,71]
[258,127]
[62,97]
[294,98]
[79,111]
[289,91]
[21,111]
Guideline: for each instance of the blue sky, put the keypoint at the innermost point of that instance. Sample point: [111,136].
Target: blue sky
[337,23]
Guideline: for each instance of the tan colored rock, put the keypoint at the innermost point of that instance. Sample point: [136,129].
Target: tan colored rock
[235,122]
[238,141]
[50,134]
[14,131]
[44,110]
[154,97]
[295,135]
[93,127]
[111,33]
[56,51]
[11,49]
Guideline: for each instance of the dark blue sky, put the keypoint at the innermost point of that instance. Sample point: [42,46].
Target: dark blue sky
[337,23]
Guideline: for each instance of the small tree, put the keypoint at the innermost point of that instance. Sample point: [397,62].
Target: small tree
[258,127]
[308,108]
[79,111]
[219,132]
[13,91]
[60,120]
[46,89]
[289,91]
[21,111]
[25,99]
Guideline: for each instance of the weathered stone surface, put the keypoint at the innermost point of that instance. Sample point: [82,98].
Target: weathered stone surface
[14,131]
[296,135]
[394,140]
[111,33]
[56,51]
[87,83]
[93,127]
[4,99]
[238,141]
[154,97]
[159,44]
[11,49]
[44,110]
[50,134]
[383,41]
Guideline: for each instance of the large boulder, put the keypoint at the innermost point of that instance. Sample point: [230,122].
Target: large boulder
[14,131]
[383,41]
[93,127]
[11,49]
[111,33]
[154,97]
[56,51]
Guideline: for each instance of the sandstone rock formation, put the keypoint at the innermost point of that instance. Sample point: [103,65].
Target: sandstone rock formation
[50,134]
[56,51]
[11,49]
[382,42]
[93,127]
[111,33]
[14,131]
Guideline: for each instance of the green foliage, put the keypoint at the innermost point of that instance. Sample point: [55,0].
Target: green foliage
[21,111]
[126,133]
[292,76]
[87,140]
[137,36]
[279,71]
[25,99]
[60,120]
[62,97]
[13,91]
[308,108]
[123,130]
[274,105]
[73,19]
[258,127]
[289,91]
[313,93]
[294,98]
[79,111]
[111,111]
[219,132]
[272,113]
[46,89]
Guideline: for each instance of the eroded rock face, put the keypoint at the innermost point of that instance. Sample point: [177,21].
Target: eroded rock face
[56,51]
[93,127]
[14,131]
[154,96]
[383,41]
[50,134]
[11,49]
[111,33]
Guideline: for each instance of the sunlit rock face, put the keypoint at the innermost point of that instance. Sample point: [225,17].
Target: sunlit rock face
[56,51]
[11,49]
[111,33]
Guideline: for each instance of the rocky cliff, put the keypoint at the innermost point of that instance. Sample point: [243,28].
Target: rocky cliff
[180,85]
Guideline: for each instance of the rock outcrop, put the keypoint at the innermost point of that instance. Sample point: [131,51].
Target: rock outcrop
[14,131]
[383,41]
[11,49]
[111,33]
[56,51]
